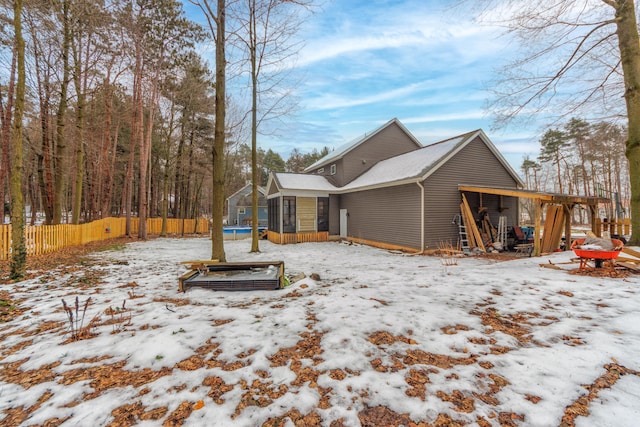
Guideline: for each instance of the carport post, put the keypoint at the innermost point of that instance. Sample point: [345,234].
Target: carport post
[536,228]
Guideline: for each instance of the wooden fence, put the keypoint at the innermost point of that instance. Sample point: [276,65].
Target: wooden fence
[621,227]
[41,239]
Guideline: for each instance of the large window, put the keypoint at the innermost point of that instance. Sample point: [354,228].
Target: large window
[323,214]
[274,214]
[289,214]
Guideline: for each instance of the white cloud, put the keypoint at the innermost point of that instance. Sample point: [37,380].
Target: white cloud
[336,46]
[331,101]
[448,117]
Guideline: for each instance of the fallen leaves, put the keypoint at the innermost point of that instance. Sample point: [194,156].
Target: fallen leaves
[417,379]
[461,402]
[9,309]
[517,325]
[581,406]
[469,352]
[217,388]
[380,338]
[107,376]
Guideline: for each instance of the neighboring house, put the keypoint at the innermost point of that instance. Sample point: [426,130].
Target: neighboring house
[386,190]
[239,207]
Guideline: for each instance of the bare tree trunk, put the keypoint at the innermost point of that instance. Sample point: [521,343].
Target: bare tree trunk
[45,162]
[6,112]
[18,246]
[254,126]
[165,172]
[629,44]
[59,160]
[107,169]
[80,170]
[217,207]
[136,137]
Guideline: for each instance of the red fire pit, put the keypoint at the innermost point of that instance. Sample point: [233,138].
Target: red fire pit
[597,255]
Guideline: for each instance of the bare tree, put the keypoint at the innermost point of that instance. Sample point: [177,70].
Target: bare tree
[578,56]
[61,143]
[216,20]
[266,32]
[6,112]
[18,245]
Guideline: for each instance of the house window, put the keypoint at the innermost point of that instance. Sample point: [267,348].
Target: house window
[320,170]
[333,169]
[289,214]
[242,211]
[323,214]
[274,214]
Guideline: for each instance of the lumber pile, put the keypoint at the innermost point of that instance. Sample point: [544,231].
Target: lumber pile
[473,234]
[630,262]
[553,229]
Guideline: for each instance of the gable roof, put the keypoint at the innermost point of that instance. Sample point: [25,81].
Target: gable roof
[414,166]
[417,165]
[345,148]
[300,181]
[406,166]
[260,190]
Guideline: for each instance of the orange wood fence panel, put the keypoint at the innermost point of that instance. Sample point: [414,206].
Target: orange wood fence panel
[42,239]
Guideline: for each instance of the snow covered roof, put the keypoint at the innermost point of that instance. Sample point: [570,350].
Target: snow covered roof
[299,181]
[345,148]
[409,167]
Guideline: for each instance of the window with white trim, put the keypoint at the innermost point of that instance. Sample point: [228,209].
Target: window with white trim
[333,169]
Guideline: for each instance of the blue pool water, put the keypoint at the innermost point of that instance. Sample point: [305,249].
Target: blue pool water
[236,232]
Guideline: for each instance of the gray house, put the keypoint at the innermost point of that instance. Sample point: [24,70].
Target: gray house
[385,189]
[239,208]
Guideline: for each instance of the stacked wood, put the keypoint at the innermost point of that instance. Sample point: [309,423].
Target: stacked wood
[473,234]
[553,228]
[631,262]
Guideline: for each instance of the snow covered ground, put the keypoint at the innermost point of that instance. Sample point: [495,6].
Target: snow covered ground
[381,339]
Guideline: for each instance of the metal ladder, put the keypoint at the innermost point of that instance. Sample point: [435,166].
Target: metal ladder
[502,231]
[462,230]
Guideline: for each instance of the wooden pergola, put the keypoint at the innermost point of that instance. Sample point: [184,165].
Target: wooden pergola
[568,202]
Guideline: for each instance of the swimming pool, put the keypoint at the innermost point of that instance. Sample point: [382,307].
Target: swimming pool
[236,232]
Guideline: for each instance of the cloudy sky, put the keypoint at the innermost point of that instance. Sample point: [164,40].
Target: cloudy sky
[365,62]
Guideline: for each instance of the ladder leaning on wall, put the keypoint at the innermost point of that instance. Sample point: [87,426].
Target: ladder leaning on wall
[502,231]
[462,231]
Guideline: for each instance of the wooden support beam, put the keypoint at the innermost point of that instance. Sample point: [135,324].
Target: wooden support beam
[592,220]
[568,216]
[537,212]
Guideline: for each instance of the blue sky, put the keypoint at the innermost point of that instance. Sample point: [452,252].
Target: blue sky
[366,62]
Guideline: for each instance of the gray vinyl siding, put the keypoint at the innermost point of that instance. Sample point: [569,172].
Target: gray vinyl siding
[334,214]
[242,199]
[273,189]
[388,215]
[389,142]
[475,164]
